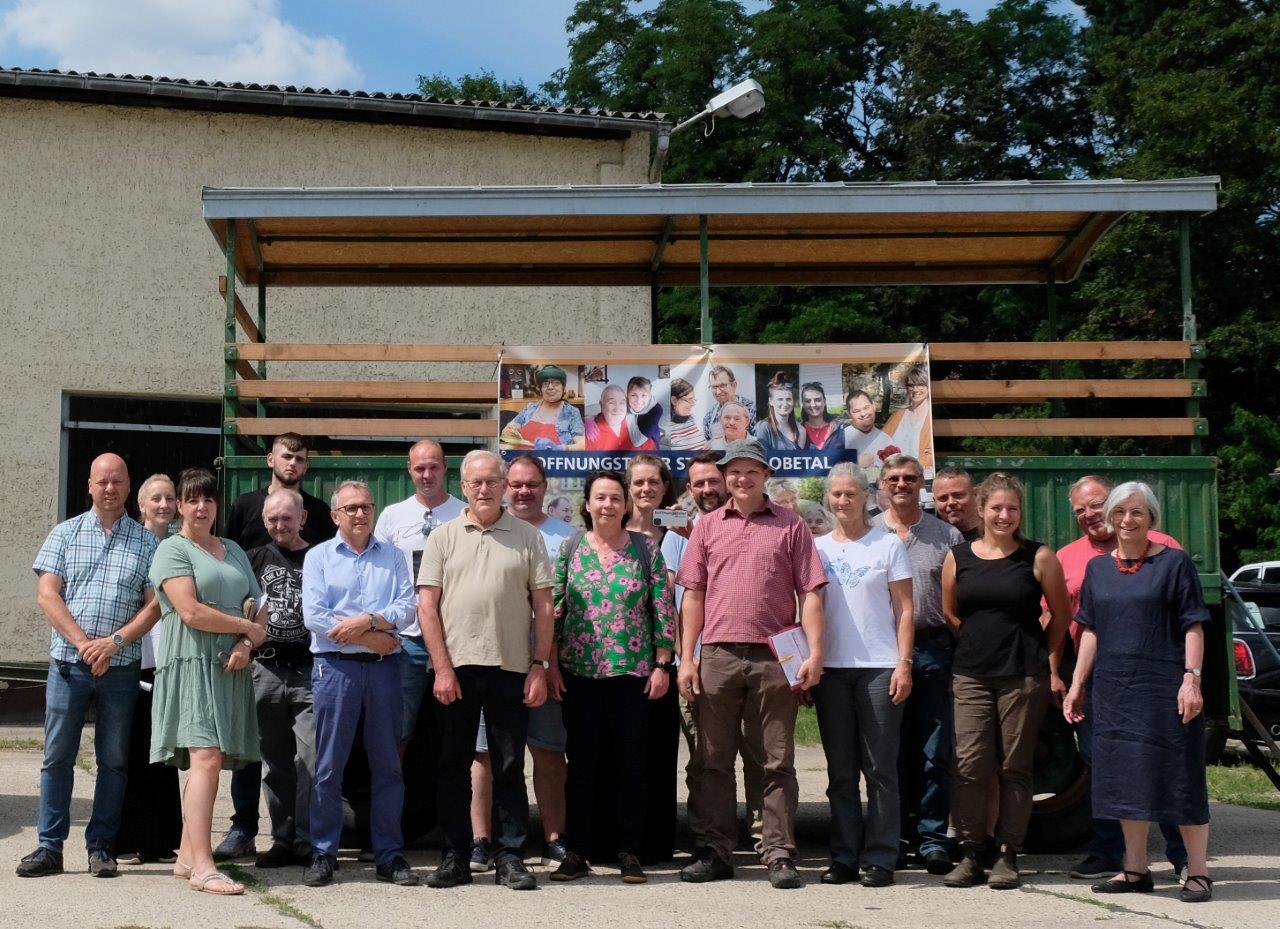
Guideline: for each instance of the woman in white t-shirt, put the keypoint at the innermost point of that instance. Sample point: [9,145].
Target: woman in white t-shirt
[866,677]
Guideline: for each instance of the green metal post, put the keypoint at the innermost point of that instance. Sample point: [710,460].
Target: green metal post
[704,280]
[1055,367]
[1192,365]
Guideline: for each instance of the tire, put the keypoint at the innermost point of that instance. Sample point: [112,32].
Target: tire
[1061,817]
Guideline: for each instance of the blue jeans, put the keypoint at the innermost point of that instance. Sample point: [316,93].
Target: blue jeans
[246,788]
[413,672]
[1108,837]
[924,763]
[341,690]
[69,691]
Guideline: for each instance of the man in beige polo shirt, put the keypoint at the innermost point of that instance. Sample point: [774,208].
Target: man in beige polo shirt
[483,575]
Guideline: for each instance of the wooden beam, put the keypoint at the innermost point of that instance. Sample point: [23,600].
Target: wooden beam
[1013,391]
[817,353]
[479,428]
[242,315]
[603,354]
[246,370]
[1057,351]
[355,351]
[969,428]
[374,391]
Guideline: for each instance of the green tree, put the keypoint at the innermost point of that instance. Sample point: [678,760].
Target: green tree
[485,86]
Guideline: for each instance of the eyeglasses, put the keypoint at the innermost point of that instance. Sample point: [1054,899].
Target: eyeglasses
[492,483]
[526,485]
[351,509]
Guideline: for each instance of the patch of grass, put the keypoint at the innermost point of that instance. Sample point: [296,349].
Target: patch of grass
[83,763]
[1242,785]
[24,745]
[257,886]
[807,730]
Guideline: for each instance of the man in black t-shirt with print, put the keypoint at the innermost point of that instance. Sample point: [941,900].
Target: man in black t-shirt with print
[282,683]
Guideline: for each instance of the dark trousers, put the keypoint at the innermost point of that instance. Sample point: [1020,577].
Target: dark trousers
[246,788]
[1108,838]
[924,763]
[500,694]
[151,817]
[286,723]
[609,714]
[341,691]
[860,727]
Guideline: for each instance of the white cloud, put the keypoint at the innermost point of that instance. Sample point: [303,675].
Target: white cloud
[225,40]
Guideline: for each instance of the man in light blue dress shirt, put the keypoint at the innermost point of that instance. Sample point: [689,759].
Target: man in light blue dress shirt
[356,598]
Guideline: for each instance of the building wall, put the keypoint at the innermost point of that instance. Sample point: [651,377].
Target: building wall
[108,274]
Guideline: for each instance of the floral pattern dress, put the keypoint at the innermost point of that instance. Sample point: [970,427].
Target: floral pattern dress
[604,622]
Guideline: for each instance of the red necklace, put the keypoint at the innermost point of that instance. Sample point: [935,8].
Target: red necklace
[1130,566]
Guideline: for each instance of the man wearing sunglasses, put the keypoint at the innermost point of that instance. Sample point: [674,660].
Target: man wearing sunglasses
[406,525]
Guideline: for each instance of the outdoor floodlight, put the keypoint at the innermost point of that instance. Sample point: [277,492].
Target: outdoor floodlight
[739,101]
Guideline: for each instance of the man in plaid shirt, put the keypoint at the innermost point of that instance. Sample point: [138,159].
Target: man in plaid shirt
[743,570]
[93,589]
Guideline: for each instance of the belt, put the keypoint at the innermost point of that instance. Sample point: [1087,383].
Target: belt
[353,656]
[931,632]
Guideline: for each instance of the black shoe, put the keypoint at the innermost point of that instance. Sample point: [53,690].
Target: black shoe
[451,872]
[875,876]
[937,861]
[632,873]
[515,875]
[1095,868]
[553,852]
[783,874]
[1132,882]
[571,868]
[277,856]
[1198,888]
[839,873]
[481,856]
[397,871]
[102,863]
[319,871]
[40,862]
[708,866]
[130,858]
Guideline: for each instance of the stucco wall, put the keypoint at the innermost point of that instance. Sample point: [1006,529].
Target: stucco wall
[108,274]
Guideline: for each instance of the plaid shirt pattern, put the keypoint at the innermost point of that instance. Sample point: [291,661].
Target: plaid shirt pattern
[104,578]
[752,567]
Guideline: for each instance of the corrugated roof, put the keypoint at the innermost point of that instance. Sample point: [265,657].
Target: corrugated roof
[321,103]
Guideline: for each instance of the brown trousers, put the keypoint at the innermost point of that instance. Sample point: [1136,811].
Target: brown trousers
[744,688]
[997,723]
[749,750]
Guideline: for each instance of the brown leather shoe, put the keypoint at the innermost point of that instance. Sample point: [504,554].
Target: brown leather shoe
[1004,873]
[968,873]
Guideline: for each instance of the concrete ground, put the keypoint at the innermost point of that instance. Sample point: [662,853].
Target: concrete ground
[1245,847]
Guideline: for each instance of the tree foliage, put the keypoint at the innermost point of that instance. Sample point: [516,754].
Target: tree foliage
[870,91]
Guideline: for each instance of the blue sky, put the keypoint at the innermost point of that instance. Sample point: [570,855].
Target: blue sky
[334,43]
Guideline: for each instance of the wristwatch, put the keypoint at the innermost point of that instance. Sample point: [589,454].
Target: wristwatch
[544,665]
[664,665]
[1192,671]
[118,640]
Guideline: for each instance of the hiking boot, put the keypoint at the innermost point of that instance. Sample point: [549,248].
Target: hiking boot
[451,872]
[1004,873]
[632,873]
[513,873]
[708,866]
[783,874]
[968,873]
[40,862]
[571,868]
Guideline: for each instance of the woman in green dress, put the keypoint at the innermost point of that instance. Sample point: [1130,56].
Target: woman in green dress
[203,712]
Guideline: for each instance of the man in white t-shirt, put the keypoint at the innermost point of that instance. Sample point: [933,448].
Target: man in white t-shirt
[406,525]
[526,491]
[707,487]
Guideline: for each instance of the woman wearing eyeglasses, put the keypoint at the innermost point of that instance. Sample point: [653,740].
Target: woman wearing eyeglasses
[204,716]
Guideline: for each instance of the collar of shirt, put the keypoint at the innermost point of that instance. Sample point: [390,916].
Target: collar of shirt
[731,509]
[503,522]
[371,546]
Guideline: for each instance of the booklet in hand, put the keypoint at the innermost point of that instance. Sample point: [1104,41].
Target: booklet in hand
[792,650]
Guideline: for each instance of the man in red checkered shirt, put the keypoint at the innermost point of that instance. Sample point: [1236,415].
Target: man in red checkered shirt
[744,568]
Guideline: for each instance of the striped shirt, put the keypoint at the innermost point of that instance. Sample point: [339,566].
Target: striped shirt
[752,568]
[104,578]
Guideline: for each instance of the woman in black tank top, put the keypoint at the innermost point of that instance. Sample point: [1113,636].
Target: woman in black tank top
[991,594]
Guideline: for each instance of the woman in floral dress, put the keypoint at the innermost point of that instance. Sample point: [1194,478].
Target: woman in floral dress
[615,634]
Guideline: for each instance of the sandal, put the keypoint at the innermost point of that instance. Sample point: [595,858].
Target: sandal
[181,869]
[201,883]
[1202,892]
[1133,882]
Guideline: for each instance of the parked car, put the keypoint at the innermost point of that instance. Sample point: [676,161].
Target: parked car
[1257,665]
[1260,572]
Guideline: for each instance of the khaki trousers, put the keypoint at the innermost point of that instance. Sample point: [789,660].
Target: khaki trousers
[744,688]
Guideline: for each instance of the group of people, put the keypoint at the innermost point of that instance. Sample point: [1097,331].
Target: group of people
[934,646]
[797,419]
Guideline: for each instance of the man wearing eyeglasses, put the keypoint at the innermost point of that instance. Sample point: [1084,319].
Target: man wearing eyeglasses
[924,760]
[356,598]
[485,584]
[406,525]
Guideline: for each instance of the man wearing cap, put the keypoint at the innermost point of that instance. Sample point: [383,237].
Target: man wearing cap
[742,572]
[550,422]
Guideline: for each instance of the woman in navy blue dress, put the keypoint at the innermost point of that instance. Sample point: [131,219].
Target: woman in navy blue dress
[1144,615]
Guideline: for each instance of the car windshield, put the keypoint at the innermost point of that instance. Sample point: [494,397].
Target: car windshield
[1268,612]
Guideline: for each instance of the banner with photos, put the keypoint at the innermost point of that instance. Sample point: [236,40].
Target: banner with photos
[579,418]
